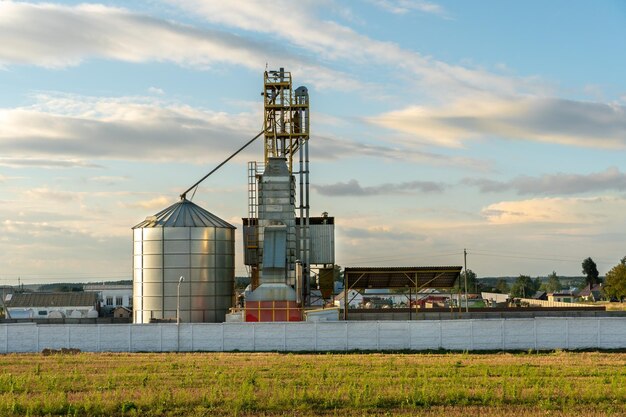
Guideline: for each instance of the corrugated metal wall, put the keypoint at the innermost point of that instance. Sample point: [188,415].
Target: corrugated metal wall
[322,243]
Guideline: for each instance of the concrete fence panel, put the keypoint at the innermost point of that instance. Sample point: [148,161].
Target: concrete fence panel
[487,334]
[456,334]
[612,333]
[207,338]
[270,337]
[392,335]
[300,336]
[519,334]
[363,337]
[425,335]
[239,336]
[332,336]
[84,337]
[551,333]
[582,333]
[22,338]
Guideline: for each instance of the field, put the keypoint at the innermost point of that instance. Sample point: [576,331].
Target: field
[270,384]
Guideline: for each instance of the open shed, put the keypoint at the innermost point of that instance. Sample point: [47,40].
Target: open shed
[412,278]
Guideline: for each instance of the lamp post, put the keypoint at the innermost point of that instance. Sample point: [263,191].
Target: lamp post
[465,272]
[180,281]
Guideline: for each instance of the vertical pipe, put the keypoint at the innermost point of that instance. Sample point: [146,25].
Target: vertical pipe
[162,271]
[301,254]
[298,282]
[345,298]
[307,267]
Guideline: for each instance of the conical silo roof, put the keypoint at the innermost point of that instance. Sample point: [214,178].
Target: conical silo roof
[184,213]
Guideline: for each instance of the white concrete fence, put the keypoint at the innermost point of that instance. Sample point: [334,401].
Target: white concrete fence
[486,334]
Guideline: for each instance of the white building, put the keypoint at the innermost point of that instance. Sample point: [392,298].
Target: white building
[354,298]
[74,305]
[112,295]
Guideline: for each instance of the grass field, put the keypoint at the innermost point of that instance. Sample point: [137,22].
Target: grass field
[229,384]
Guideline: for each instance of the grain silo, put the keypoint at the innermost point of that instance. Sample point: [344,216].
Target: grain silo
[183,240]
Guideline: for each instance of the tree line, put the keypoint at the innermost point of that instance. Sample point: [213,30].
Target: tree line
[613,288]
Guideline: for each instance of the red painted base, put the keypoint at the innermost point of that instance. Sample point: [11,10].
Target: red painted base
[268,311]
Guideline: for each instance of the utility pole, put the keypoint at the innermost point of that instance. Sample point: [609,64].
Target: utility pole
[465,268]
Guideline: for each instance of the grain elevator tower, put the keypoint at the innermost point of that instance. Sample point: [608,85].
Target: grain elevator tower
[277,231]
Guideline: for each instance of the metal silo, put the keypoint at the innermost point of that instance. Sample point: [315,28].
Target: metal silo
[183,240]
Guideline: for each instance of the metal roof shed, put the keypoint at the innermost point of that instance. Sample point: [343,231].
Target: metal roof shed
[417,277]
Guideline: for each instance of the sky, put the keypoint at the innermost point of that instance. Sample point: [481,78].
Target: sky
[436,126]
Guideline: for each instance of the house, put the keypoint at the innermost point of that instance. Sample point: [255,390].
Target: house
[51,305]
[591,293]
[540,295]
[121,312]
[561,297]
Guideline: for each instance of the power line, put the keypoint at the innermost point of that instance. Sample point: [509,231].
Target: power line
[495,254]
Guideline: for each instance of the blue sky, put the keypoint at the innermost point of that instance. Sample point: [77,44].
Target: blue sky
[499,127]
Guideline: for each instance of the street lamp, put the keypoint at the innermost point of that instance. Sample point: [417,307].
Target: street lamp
[180,281]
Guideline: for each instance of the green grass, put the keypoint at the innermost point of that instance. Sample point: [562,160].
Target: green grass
[241,384]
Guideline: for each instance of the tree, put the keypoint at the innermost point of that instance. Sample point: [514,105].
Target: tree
[337,273]
[553,284]
[502,286]
[591,271]
[615,283]
[525,287]
[472,281]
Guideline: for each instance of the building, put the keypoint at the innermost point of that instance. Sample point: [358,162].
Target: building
[111,296]
[121,312]
[74,305]
[355,298]
[591,293]
[561,297]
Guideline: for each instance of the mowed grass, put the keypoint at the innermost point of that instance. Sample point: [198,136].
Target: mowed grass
[245,384]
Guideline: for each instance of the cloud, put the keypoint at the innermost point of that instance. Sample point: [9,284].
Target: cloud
[57,36]
[331,41]
[51,195]
[62,130]
[157,91]
[331,148]
[42,163]
[109,179]
[406,6]
[33,251]
[557,211]
[552,120]
[4,178]
[377,233]
[353,188]
[155,203]
[127,128]
[556,184]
